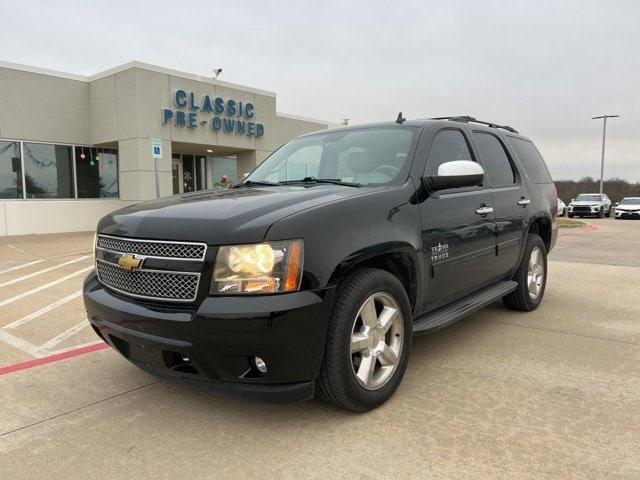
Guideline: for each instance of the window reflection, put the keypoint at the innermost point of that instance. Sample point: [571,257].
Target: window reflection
[97,172]
[10,170]
[48,172]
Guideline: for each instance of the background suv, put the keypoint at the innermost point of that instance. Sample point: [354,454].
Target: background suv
[590,204]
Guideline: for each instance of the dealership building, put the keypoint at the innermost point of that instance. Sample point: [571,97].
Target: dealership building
[73,148]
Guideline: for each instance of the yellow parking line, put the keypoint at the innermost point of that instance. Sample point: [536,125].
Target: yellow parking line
[43,287]
[40,272]
[43,310]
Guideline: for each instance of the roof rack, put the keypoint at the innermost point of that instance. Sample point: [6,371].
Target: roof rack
[470,119]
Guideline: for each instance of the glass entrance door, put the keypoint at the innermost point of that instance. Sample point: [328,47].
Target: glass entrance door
[176,174]
[189,173]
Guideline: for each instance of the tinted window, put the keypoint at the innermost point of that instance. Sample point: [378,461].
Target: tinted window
[495,159]
[48,172]
[97,172]
[449,145]
[532,160]
[10,170]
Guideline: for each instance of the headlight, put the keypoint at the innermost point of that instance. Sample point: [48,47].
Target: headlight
[273,267]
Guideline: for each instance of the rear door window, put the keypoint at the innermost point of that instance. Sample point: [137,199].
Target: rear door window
[495,158]
[531,159]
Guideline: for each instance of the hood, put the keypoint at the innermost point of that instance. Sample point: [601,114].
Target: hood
[220,217]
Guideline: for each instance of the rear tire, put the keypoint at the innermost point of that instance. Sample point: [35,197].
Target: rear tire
[364,363]
[531,277]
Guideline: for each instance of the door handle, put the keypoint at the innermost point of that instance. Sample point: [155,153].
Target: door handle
[523,202]
[484,210]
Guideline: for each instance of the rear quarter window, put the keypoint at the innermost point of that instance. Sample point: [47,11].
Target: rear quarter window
[531,160]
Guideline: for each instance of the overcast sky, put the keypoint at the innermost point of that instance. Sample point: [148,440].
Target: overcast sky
[544,68]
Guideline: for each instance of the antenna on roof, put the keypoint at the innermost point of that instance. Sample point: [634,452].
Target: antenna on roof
[400,119]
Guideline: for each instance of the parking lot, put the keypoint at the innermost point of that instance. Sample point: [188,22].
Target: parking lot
[550,394]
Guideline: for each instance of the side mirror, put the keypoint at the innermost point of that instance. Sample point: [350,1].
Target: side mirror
[617,203]
[572,200]
[456,174]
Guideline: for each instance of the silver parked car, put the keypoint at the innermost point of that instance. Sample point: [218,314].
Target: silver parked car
[629,207]
[590,204]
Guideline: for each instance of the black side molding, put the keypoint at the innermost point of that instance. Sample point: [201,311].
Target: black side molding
[455,311]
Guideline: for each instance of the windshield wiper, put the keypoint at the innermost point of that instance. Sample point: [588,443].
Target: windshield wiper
[334,181]
[248,183]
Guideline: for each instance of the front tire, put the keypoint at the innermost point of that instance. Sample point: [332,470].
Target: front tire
[531,277]
[570,215]
[368,341]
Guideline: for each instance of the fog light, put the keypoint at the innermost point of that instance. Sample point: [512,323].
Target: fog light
[185,358]
[260,364]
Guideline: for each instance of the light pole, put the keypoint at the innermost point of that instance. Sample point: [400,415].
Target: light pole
[604,134]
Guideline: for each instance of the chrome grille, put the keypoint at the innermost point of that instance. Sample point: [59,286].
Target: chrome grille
[153,248]
[150,284]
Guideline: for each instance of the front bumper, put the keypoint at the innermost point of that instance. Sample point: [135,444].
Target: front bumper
[627,214]
[585,211]
[216,341]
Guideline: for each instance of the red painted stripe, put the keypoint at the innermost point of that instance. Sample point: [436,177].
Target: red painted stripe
[52,358]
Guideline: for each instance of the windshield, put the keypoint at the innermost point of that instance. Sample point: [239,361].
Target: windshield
[630,201]
[373,156]
[588,198]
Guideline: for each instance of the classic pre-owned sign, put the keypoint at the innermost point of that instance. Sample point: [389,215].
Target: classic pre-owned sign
[226,115]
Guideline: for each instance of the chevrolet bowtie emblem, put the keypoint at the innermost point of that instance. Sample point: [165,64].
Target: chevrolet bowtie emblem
[129,262]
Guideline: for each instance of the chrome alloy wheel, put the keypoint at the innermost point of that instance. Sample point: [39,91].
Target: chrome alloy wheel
[377,336]
[535,273]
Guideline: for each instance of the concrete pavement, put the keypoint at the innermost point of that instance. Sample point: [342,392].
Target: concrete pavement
[550,394]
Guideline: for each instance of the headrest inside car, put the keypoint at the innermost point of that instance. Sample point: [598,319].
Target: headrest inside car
[359,162]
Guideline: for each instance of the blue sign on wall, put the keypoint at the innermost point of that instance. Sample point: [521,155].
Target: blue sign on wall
[229,116]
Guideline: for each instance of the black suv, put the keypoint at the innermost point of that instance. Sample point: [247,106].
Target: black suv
[313,274]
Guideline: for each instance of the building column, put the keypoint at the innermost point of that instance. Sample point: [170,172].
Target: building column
[137,177]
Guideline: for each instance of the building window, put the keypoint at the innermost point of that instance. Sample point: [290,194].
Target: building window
[223,171]
[97,172]
[48,171]
[10,170]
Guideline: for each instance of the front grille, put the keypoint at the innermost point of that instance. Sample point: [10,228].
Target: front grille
[150,284]
[153,248]
[582,209]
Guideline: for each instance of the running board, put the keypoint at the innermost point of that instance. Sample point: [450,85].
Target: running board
[453,312]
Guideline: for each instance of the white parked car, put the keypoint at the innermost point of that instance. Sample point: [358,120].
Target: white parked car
[629,207]
[590,204]
[562,208]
